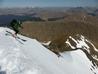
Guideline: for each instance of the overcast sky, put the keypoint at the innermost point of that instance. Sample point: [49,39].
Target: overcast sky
[47,3]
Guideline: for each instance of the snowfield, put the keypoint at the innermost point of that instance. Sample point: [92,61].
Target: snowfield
[33,58]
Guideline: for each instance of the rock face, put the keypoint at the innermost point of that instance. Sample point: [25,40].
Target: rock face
[80,42]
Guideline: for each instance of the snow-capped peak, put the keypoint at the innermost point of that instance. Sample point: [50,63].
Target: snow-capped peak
[30,57]
[80,42]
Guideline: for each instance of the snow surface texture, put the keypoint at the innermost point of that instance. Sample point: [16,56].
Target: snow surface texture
[33,58]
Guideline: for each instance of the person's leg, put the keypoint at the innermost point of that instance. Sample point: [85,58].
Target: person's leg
[16,32]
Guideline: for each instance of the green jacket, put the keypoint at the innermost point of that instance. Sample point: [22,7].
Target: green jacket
[16,25]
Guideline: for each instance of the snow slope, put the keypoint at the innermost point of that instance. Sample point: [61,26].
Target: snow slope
[33,58]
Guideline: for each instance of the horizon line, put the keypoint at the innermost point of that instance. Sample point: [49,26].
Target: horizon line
[52,7]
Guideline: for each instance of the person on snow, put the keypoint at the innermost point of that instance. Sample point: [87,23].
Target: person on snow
[16,26]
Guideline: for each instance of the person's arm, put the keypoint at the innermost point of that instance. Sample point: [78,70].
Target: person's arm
[20,24]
